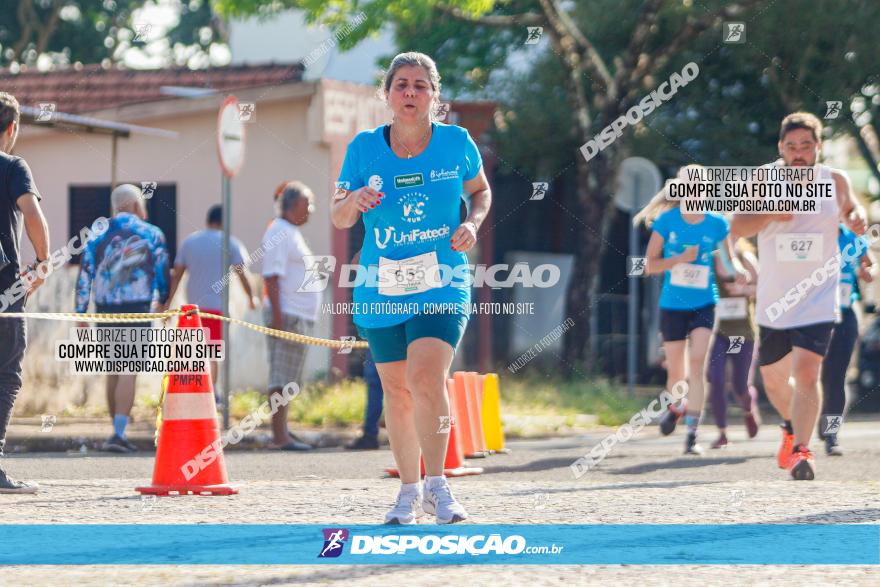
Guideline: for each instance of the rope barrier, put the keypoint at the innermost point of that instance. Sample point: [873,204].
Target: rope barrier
[144,316]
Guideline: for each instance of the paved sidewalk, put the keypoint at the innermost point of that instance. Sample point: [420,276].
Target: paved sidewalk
[31,435]
[643,481]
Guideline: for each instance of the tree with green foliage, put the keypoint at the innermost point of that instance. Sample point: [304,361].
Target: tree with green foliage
[95,31]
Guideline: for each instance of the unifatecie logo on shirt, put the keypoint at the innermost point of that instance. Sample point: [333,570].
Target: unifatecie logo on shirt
[409,180]
[390,236]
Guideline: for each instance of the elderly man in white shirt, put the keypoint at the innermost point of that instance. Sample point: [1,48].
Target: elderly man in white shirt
[287,308]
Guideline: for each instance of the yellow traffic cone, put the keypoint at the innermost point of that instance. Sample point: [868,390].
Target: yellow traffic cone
[491,414]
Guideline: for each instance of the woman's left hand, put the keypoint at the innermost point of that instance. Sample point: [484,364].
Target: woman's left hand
[465,237]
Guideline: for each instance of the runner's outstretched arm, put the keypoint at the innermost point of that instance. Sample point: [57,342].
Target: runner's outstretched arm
[866,267]
[465,236]
[852,214]
[656,263]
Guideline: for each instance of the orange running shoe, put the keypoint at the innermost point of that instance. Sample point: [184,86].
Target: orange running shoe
[785,451]
[801,464]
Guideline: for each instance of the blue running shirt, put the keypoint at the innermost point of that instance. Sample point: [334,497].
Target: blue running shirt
[849,264]
[700,289]
[417,216]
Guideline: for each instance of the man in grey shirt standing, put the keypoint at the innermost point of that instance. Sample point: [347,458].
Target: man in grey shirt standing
[201,254]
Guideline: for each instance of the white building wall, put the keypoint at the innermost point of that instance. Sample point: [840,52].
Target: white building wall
[276,149]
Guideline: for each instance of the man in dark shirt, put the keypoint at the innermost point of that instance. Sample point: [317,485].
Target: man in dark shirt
[19,206]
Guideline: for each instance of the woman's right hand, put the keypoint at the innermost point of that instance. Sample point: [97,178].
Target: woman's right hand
[366,198]
[690,254]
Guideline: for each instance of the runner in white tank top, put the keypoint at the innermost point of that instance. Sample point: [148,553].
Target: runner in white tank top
[791,252]
[797,291]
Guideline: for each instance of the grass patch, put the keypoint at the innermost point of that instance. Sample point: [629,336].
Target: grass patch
[324,404]
[319,405]
[558,397]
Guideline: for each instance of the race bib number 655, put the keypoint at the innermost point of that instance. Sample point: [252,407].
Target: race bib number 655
[408,276]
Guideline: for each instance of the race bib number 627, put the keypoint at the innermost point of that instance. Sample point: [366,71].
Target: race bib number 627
[799,246]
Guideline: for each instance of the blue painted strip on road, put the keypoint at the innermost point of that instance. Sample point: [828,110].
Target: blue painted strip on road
[295,544]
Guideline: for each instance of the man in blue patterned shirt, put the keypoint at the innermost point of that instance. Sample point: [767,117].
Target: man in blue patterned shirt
[126,270]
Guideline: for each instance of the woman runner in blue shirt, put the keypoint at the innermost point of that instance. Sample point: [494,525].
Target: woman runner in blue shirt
[682,248]
[405,181]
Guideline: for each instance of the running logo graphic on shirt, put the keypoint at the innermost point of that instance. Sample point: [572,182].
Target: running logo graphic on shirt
[334,540]
[413,206]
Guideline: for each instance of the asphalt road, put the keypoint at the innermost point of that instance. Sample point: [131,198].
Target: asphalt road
[645,480]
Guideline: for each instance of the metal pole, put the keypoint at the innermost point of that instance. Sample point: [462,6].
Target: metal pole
[227,221]
[632,326]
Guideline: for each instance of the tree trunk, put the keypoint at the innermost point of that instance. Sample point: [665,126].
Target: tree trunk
[593,199]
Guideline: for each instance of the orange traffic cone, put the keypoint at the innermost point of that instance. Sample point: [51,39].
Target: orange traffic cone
[454,466]
[189,456]
[476,421]
[462,416]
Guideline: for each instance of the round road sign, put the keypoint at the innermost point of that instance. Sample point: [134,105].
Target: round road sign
[230,137]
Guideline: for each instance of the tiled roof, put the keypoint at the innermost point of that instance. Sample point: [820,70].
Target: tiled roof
[91,87]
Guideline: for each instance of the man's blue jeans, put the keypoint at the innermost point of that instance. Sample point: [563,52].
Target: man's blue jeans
[13,340]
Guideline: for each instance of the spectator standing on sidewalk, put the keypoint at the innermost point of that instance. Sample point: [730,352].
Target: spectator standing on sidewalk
[126,269]
[201,254]
[288,305]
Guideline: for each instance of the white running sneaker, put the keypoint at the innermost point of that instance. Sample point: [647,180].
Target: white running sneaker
[438,500]
[406,510]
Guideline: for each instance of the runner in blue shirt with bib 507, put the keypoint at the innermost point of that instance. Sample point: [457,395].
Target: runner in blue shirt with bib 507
[682,247]
[405,181]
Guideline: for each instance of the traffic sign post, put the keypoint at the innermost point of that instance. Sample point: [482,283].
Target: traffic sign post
[230,149]
[637,181]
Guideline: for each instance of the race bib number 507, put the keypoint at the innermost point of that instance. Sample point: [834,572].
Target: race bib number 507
[690,275]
